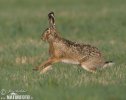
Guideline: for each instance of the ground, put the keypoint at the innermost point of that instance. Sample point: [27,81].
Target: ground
[101,23]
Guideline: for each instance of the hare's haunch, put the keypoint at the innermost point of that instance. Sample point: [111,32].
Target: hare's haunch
[63,50]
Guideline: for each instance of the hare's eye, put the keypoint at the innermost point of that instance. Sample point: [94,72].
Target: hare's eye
[48,31]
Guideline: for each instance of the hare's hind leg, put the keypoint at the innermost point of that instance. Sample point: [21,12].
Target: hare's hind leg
[92,64]
[88,64]
[88,68]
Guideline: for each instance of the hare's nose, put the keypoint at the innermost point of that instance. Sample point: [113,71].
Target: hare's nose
[43,39]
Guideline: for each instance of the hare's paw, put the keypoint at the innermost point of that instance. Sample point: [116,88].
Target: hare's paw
[36,68]
[46,69]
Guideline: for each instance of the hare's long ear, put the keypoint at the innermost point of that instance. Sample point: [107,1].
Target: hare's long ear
[51,20]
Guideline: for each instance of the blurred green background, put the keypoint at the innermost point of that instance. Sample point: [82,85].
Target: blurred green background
[101,23]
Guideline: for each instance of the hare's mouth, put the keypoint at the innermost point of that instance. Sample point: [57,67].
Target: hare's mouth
[43,39]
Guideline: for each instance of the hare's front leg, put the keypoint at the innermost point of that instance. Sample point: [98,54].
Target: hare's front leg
[47,65]
[46,69]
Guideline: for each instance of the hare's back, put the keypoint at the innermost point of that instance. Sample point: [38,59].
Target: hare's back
[81,50]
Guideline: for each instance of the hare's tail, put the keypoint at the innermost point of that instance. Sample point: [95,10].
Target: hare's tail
[108,64]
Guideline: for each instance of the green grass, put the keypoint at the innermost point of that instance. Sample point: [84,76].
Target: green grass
[101,23]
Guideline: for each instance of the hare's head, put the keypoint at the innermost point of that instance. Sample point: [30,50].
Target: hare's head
[50,33]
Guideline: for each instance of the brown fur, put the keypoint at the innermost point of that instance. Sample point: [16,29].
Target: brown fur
[63,50]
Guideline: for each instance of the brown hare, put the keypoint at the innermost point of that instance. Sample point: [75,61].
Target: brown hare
[63,50]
